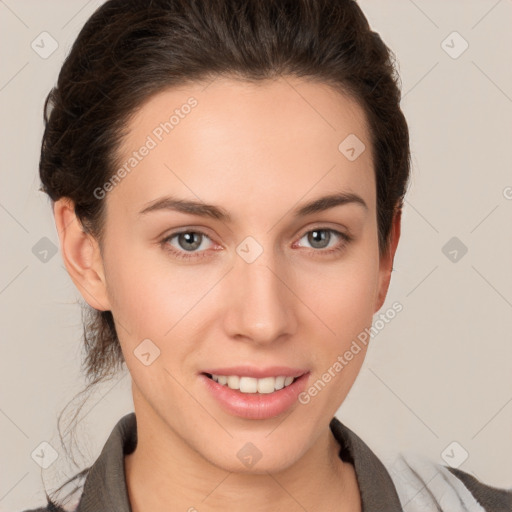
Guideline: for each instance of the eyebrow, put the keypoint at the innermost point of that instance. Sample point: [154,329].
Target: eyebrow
[219,213]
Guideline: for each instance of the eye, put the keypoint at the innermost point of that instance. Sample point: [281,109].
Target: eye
[320,237]
[187,242]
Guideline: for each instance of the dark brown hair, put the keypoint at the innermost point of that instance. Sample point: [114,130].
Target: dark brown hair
[129,50]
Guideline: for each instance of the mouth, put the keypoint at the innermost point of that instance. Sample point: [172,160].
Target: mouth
[254,398]
[252,385]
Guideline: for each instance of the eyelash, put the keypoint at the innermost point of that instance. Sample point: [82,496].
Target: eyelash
[346,239]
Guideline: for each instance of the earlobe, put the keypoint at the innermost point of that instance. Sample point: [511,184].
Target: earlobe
[386,260]
[81,255]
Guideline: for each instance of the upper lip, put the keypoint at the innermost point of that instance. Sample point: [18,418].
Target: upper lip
[258,373]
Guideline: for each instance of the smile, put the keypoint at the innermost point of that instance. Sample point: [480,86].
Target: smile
[251,384]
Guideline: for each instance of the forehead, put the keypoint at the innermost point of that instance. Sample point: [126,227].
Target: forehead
[232,140]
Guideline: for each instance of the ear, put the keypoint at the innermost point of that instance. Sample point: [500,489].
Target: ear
[386,260]
[81,255]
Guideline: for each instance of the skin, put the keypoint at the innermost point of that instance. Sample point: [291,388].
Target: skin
[258,151]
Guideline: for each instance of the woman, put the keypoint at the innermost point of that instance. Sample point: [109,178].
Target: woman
[227,181]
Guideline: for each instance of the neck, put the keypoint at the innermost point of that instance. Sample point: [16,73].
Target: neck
[165,471]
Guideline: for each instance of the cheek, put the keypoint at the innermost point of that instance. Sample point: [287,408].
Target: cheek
[344,302]
[152,299]
[140,292]
[343,295]
[357,292]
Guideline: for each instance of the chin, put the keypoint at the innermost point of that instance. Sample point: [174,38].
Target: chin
[246,454]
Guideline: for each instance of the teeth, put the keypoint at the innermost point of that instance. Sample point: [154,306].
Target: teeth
[279,384]
[252,385]
[247,384]
[233,382]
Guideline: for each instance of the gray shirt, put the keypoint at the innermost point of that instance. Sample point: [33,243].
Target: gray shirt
[406,487]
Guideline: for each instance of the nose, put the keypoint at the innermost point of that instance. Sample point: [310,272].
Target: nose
[260,306]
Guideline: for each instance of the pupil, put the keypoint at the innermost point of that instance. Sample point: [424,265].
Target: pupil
[314,235]
[189,237]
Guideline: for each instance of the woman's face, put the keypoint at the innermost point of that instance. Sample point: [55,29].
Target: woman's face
[266,285]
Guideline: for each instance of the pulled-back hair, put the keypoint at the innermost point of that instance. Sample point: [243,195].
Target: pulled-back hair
[129,50]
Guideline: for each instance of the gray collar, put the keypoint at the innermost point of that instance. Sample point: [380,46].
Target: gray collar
[105,486]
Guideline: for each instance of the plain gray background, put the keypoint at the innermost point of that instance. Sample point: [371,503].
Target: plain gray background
[439,372]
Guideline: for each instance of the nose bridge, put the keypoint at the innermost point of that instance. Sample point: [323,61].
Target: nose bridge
[260,305]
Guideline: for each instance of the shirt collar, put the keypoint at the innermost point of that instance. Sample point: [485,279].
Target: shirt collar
[105,486]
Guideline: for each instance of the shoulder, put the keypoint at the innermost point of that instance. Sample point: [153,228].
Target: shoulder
[493,498]
[424,485]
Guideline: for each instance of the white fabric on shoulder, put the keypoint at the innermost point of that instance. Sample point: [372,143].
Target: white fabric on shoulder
[425,486]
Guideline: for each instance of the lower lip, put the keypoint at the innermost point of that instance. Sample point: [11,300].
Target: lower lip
[256,406]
